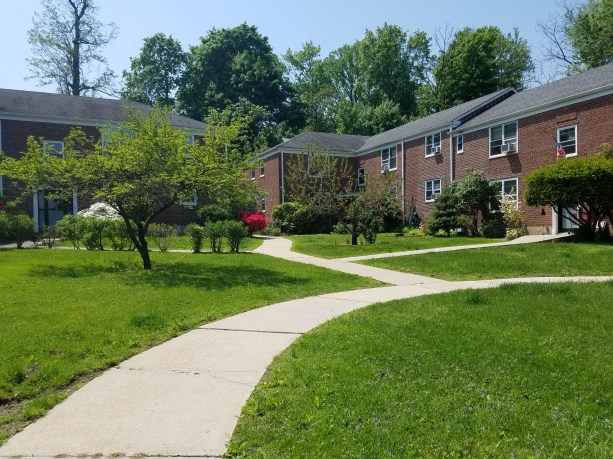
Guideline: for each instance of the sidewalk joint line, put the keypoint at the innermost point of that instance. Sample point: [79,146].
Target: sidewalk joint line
[250,331]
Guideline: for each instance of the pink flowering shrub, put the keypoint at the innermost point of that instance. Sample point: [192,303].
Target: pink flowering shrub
[254,220]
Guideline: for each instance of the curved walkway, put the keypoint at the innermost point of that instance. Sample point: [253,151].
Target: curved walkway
[183,397]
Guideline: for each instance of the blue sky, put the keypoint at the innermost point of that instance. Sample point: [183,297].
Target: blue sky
[330,23]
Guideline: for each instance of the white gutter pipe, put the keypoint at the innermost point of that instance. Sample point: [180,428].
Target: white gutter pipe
[402,186]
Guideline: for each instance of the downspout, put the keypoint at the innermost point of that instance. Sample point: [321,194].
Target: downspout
[451,158]
[402,187]
[282,180]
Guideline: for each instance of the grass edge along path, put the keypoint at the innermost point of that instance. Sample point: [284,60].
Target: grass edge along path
[68,315]
[331,246]
[522,370]
[539,259]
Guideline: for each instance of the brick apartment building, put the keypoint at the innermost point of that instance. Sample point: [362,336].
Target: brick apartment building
[505,135]
[51,117]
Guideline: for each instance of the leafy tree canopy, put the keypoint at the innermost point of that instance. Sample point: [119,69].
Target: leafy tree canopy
[479,62]
[581,37]
[155,74]
[229,65]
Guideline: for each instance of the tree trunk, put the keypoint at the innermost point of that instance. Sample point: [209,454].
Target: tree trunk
[143,248]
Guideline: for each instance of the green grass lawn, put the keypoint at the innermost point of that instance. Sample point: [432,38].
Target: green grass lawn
[339,245]
[68,314]
[520,371]
[182,243]
[539,259]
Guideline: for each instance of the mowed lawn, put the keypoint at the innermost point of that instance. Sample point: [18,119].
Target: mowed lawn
[67,314]
[539,259]
[339,245]
[520,371]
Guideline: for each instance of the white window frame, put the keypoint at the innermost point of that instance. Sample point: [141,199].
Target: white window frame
[389,155]
[433,189]
[193,202]
[262,205]
[311,171]
[429,144]
[262,169]
[459,145]
[252,174]
[504,139]
[502,194]
[47,143]
[361,176]
[563,128]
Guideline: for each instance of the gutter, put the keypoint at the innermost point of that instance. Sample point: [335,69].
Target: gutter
[451,158]
[402,186]
[282,178]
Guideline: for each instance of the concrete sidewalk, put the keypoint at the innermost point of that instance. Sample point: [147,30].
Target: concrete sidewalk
[281,248]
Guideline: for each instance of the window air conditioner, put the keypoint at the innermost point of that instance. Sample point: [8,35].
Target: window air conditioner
[385,166]
[435,150]
[508,148]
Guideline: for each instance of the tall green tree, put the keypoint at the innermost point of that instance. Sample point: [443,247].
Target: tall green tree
[229,65]
[478,62]
[581,37]
[67,40]
[144,167]
[393,66]
[313,93]
[155,74]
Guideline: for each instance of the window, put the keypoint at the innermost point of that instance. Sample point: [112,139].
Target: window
[263,205]
[433,144]
[361,177]
[388,159]
[433,187]
[190,140]
[252,174]
[567,137]
[503,139]
[459,144]
[318,164]
[193,202]
[54,147]
[508,188]
[262,169]
[394,191]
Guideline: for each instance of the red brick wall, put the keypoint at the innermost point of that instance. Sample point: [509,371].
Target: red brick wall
[371,163]
[418,169]
[536,148]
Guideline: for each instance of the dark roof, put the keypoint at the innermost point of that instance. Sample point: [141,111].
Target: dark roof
[435,121]
[557,91]
[339,143]
[75,109]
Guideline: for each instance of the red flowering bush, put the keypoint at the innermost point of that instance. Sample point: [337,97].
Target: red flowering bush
[254,220]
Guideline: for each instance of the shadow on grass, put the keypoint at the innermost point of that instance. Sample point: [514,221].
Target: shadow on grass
[175,274]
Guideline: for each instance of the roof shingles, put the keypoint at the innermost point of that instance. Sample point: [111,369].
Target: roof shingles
[75,109]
